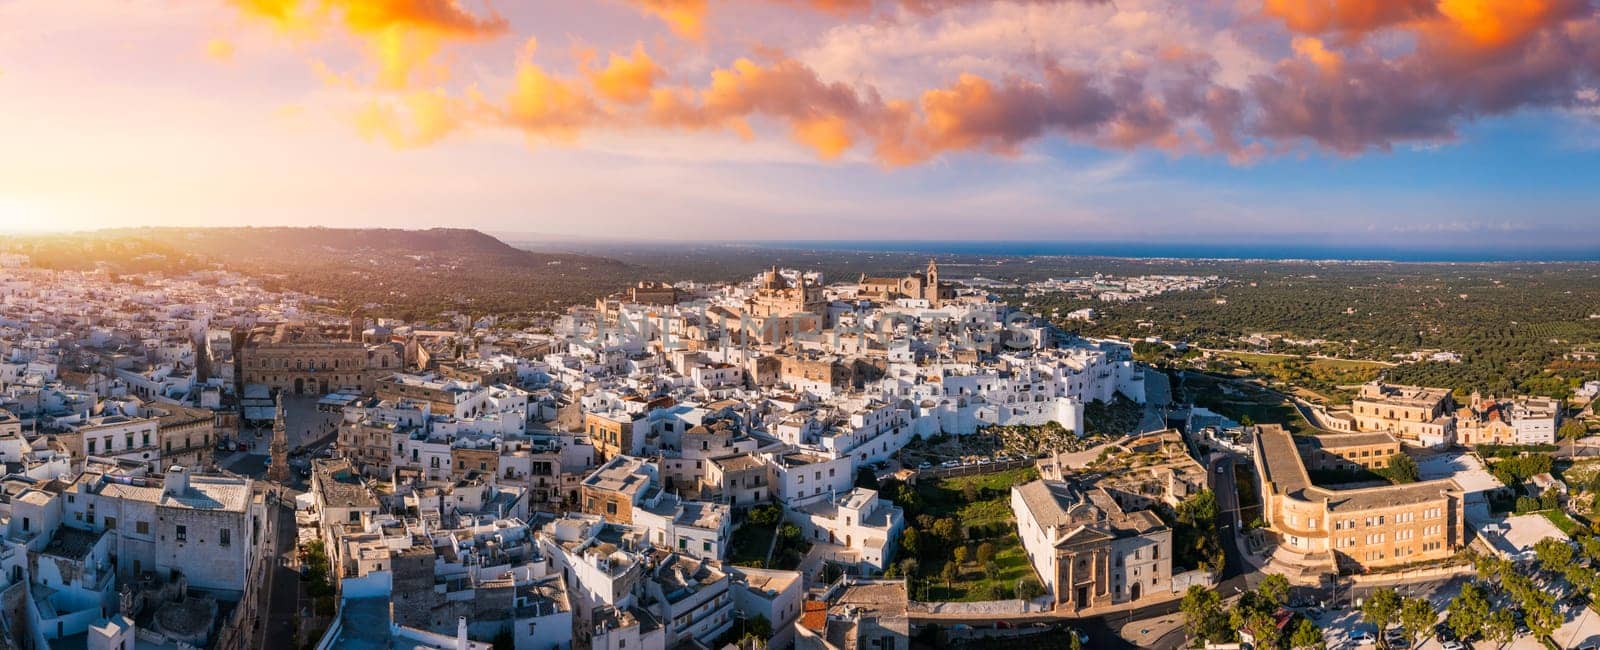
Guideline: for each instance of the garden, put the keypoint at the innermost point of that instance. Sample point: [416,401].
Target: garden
[960,542]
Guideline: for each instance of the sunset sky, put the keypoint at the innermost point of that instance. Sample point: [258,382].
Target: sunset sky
[1353,121]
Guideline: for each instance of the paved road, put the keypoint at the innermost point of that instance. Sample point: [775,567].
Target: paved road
[282,590]
[1235,573]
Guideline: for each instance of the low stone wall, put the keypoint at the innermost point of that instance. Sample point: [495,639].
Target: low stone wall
[1414,575]
[985,607]
[969,470]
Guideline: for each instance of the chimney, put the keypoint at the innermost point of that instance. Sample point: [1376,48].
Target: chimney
[461,633]
[177,481]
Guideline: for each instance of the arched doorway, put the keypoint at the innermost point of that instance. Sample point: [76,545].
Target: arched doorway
[1134,592]
[299,386]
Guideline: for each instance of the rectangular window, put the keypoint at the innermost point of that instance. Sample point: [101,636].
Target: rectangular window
[143,527]
[226,537]
[182,533]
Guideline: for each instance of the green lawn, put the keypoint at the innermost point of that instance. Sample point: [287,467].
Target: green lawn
[974,585]
[749,545]
[947,497]
[1562,521]
[987,512]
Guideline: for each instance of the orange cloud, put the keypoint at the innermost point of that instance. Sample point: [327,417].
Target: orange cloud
[414,120]
[1459,25]
[1338,91]
[974,113]
[1496,23]
[1354,16]
[441,17]
[403,37]
[545,106]
[626,79]
[829,135]
[687,18]
[1312,49]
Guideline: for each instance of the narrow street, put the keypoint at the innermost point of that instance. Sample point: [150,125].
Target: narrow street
[282,590]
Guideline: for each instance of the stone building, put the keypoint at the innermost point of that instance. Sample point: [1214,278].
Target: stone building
[472,455]
[1325,529]
[618,486]
[1350,451]
[1086,549]
[304,361]
[654,293]
[204,527]
[926,287]
[186,434]
[1413,413]
[117,437]
[614,433]
[449,397]
[777,295]
[857,614]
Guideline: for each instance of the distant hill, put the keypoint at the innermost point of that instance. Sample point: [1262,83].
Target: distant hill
[411,272]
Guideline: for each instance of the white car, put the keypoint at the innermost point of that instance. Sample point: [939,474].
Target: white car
[1452,645]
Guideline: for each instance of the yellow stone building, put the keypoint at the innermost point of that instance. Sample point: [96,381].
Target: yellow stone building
[1325,530]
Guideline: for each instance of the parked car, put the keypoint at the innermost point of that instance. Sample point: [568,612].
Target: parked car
[1443,632]
[1452,645]
[924,465]
[1362,637]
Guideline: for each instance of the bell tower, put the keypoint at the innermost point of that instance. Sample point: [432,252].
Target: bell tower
[358,324]
[279,447]
[931,287]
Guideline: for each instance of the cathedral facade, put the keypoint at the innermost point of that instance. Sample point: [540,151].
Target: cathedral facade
[924,286]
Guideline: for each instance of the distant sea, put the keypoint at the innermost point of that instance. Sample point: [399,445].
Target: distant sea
[1249,250]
